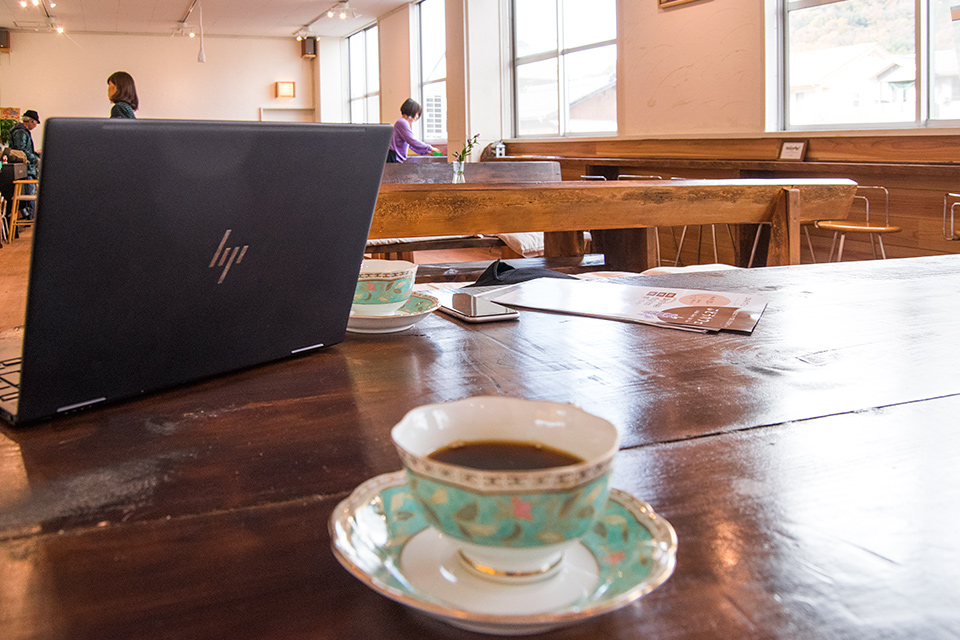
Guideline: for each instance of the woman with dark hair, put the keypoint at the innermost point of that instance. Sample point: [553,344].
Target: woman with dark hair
[123,94]
[403,137]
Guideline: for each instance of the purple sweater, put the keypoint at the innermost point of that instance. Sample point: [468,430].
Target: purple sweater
[403,138]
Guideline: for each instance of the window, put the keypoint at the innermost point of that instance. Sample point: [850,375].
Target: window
[565,67]
[433,69]
[855,62]
[363,52]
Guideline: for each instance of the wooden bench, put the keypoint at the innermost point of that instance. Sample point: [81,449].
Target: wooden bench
[918,169]
[627,210]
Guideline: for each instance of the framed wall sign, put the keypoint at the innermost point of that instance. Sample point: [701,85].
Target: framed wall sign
[793,149]
[670,3]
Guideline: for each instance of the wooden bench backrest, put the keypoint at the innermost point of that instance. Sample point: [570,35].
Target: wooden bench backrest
[900,149]
[485,172]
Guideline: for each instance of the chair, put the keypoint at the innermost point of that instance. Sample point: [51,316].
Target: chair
[683,232]
[18,197]
[804,225]
[876,231]
[950,231]
[3,220]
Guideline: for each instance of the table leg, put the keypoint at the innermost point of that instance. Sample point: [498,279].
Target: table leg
[558,244]
[627,249]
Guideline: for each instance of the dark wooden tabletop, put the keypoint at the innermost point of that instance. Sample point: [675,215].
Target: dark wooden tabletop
[809,470]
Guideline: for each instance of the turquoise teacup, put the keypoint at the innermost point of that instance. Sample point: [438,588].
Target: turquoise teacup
[383,286]
[512,525]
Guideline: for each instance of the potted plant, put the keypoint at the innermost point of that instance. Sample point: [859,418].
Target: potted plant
[6,126]
[460,159]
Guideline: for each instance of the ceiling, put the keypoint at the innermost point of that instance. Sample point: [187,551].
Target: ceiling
[272,18]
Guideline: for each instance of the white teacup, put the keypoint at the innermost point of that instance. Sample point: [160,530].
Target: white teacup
[383,286]
[510,525]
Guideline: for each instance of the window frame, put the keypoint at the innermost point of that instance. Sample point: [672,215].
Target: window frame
[924,47]
[560,55]
[420,79]
[367,94]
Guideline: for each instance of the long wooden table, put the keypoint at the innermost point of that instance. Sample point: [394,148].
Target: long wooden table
[629,210]
[442,173]
[810,471]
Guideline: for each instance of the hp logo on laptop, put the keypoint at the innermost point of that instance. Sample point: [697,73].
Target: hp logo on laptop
[226,256]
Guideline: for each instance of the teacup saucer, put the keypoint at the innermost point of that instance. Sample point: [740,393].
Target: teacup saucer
[419,306]
[378,535]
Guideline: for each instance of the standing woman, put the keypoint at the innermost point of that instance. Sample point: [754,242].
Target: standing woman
[123,94]
[403,137]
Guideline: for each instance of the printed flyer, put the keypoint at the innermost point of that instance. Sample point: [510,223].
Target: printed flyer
[688,309]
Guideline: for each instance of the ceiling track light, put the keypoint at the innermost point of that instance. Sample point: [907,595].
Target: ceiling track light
[342,10]
[45,7]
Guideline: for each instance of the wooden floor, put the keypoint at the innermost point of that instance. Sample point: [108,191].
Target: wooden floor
[15,262]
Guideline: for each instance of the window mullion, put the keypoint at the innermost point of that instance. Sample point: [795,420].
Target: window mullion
[923,44]
[562,110]
[586,47]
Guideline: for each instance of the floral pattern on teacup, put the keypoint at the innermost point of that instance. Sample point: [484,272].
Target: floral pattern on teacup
[383,291]
[625,548]
[518,520]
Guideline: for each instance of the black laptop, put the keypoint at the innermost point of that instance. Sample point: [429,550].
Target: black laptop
[165,251]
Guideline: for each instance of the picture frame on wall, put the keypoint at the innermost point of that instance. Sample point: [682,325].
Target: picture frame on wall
[793,150]
[670,3]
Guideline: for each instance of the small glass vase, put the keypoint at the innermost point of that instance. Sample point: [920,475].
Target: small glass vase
[458,166]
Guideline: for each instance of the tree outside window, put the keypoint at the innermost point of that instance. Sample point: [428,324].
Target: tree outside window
[855,63]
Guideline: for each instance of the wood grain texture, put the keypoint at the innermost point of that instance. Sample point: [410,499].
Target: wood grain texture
[426,210]
[808,468]
[937,148]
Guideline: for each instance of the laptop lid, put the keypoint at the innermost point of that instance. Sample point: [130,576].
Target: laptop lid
[167,251]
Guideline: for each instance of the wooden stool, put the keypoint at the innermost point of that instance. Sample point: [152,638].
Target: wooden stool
[842,227]
[18,197]
[3,220]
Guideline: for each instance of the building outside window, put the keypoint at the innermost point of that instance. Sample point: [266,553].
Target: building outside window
[364,62]
[855,63]
[565,67]
[432,69]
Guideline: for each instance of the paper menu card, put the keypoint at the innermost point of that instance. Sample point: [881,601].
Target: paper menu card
[690,309]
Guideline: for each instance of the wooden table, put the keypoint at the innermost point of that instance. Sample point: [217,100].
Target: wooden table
[442,173]
[627,211]
[809,469]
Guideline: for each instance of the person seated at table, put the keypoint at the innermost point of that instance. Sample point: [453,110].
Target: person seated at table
[403,137]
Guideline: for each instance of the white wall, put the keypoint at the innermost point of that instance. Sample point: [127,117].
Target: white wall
[66,75]
[476,67]
[695,68]
[332,71]
[396,80]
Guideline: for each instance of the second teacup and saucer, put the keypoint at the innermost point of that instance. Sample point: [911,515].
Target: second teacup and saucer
[384,301]
[489,561]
